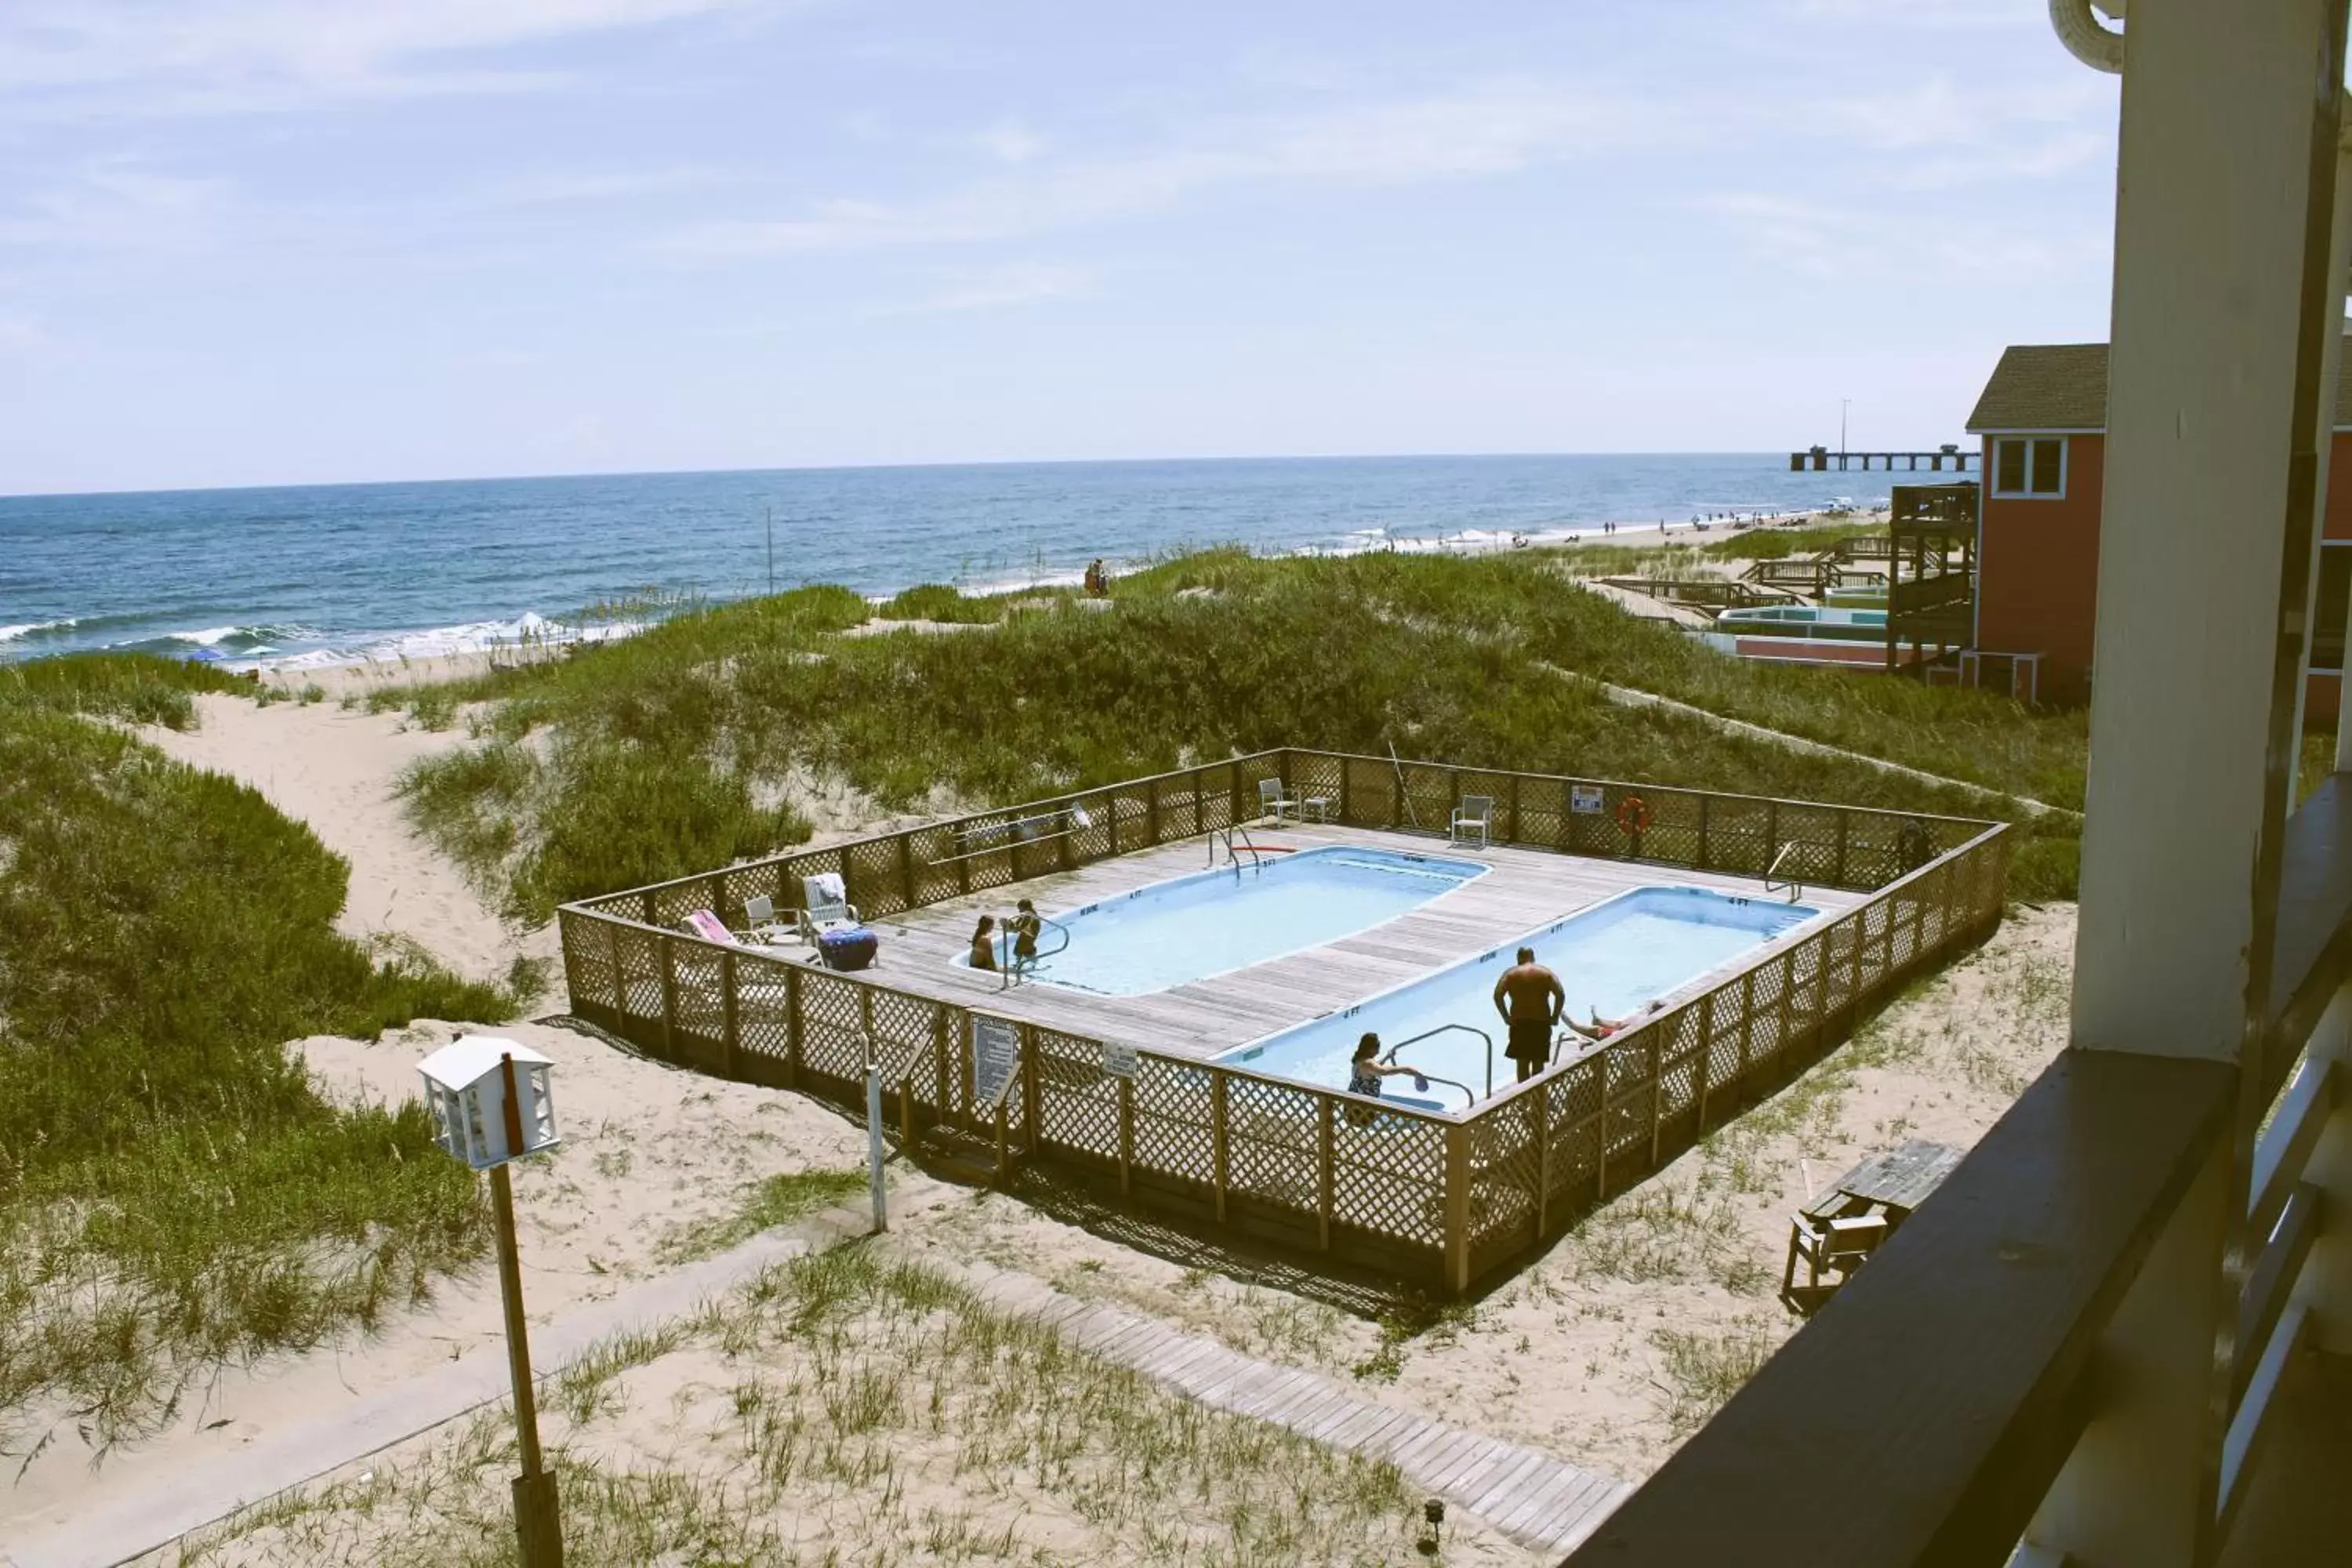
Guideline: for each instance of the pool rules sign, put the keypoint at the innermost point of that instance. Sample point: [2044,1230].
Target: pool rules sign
[996,1056]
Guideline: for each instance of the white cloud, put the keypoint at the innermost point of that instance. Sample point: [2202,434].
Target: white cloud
[1495,128]
[1019,283]
[1009,142]
[113,206]
[226,54]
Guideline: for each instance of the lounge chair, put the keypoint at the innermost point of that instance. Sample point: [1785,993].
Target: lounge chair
[711,928]
[1475,814]
[824,906]
[1272,802]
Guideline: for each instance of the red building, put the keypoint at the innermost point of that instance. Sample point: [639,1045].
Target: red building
[2044,421]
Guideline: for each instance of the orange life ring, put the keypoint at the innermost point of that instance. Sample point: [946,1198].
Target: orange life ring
[1633,815]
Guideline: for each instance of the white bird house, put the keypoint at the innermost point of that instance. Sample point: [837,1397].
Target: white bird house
[466,1089]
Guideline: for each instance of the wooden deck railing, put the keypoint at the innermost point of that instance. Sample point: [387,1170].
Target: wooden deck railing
[1442,1199]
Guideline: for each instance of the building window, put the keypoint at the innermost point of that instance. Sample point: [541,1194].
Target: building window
[2033,466]
[2333,603]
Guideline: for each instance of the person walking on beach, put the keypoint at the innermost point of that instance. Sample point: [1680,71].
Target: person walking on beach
[1026,926]
[1529,998]
[983,943]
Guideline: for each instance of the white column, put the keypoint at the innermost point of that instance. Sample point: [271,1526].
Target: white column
[2213,203]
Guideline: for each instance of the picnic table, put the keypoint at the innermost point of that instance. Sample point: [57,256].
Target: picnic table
[1853,1215]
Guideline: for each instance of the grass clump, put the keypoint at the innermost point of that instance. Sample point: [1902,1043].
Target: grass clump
[939,602]
[779,1200]
[137,688]
[173,1192]
[844,1408]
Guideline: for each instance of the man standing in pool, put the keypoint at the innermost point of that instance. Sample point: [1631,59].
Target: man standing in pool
[1529,998]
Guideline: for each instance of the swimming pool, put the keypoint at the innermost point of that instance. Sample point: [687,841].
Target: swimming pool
[1615,957]
[1189,927]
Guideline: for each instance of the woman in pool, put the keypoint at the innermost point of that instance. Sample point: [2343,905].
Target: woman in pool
[1364,1073]
[983,943]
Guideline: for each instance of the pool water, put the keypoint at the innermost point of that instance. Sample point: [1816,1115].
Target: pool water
[1187,928]
[1614,958]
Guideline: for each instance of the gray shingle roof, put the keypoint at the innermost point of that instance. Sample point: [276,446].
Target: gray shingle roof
[2064,386]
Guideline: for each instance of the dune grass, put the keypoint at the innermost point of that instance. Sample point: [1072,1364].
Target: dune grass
[939,602]
[664,754]
[173,1192]
[846,1409]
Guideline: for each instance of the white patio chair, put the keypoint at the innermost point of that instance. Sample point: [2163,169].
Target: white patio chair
[826,906]
[1272,802]
[1475,815]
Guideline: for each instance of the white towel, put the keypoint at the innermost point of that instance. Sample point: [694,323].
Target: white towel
[826,888]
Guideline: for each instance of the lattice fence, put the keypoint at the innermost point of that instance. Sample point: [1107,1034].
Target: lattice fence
[1439,1198]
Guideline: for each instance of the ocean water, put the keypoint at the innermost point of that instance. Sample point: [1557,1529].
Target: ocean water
[328,574]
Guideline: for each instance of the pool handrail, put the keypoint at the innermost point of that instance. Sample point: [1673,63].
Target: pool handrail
[1015,966]
[1442,1028]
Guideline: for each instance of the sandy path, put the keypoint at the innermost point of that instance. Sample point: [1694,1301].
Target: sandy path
[648,1151]
[335,769]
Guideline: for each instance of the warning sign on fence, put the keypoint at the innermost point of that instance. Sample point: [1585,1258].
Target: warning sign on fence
[995,1054]
[1586,799]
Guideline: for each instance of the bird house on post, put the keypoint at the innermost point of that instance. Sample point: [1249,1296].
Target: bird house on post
[466,1089]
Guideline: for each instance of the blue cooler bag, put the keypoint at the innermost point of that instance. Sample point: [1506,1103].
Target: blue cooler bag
[853,947]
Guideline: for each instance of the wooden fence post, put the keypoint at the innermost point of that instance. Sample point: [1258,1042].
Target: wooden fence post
[1151,811]
[1845,831]
[1346,809]
[1125,1135]
[1861,936]
[669,996]
[1457,1207]
[1706,803]
[1515,808]
[1541,1117]
[731,1030]
[1220,1147]
[645,907]
[1326,1174]
[1705,1063]
[795,1048]
[1657,1059]
[619,975]
[906,868]
[944,1038]
[1030,1119]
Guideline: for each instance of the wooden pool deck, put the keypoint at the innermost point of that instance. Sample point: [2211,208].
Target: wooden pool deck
[1526,888]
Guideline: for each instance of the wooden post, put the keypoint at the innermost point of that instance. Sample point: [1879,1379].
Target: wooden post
[1706,1062]
[1600,1062]
[1220,1147]
[1706,803]
[906,1116]
[1845,831]
[1029,1108]
[731,1028]
[1152,810]
[907,868]
[794,1027]
[1457,1207]
[1657,1087]
[620,974]
[646,908]
[1771,837]
[1001,1162]
[539,1521]
[670,995]
[1515,808]
[1346,809]
[1541,1119]
[1125,1135]
[1327,1171]
[945,1037]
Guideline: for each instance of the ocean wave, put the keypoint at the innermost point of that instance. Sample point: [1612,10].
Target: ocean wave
[530,630]
[35,628]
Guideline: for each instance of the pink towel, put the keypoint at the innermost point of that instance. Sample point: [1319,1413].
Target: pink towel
[709,928]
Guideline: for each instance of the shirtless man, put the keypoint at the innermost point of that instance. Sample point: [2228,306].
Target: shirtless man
[1529,998]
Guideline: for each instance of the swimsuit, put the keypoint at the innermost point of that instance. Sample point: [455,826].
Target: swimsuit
[1362,1082]
[1530,1040]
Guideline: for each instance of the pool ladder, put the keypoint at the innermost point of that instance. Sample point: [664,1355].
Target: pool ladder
[1235,840]
[1010,972]
[1445,1029]
[1773,883]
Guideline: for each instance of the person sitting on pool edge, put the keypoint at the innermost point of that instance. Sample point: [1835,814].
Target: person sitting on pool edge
[983,943]
[1531,1000]
[1365,1072]
[1601,1029]
[1024,925]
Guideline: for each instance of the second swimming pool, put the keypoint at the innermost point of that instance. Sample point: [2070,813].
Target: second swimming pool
[1613,958]
[1189,927]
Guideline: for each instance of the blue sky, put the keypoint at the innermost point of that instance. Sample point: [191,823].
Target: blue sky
[265,241]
